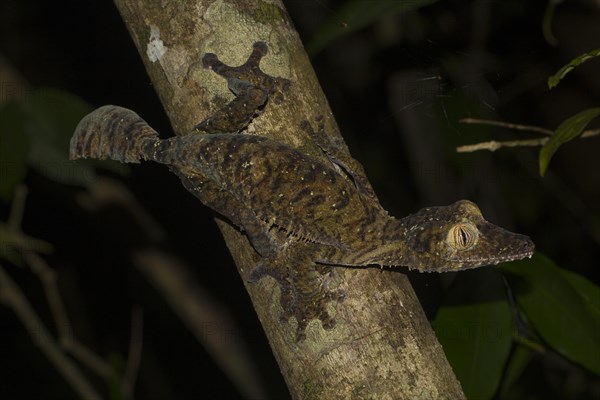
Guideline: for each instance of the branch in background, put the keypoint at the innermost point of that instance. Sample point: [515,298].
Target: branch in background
[494,145]
[104,191]
[12,296]
[508,125]
[135,352]
[211,324]
[200,313]
[66,339]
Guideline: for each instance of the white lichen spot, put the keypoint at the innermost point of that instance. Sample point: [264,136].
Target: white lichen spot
[156,49]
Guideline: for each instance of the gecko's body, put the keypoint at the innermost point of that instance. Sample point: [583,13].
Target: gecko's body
[299,211]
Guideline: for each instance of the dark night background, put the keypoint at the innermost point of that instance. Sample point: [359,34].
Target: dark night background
[417,72]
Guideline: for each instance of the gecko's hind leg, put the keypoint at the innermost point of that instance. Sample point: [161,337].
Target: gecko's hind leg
[228,206]
[304,289]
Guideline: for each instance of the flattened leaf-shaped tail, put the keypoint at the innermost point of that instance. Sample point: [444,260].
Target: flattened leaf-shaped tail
[113,132]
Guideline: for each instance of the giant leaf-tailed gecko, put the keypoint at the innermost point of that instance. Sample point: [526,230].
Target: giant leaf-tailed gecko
[302,213]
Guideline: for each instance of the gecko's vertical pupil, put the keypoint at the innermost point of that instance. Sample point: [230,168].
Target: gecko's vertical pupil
[463,236]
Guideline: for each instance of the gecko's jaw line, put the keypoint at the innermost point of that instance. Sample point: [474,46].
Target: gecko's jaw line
[501,259]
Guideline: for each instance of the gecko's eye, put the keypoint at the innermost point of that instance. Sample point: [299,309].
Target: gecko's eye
[463,236]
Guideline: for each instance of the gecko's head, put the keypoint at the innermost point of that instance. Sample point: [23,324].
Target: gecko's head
[457,237]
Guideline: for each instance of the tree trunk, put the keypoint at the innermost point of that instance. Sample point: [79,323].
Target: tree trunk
[383,346]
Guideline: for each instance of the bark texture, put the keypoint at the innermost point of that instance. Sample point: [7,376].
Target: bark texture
[383,346]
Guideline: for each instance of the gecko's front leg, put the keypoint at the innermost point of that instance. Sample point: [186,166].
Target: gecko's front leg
[251,86]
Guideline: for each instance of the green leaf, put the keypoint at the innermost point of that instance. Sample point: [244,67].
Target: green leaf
[586,289]
[555,79]
[562,307]
[52,116]
[14,144]
[357,14]
[547,22]
[475,329]
[520,358]
[568,130]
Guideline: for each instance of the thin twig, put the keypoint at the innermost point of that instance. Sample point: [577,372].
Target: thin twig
[66,339]
[494,145]
[17,208]
[202,315]
[12,235]
[135,351]
[48,278]
[106,191]
[28,247]
[13,297]
[508,125]
[530,344]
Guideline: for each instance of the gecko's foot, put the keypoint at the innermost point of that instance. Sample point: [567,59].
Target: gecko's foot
[306,306]
[251,86]
[304,290]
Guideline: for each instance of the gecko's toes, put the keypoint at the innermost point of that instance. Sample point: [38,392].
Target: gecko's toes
[304,286]
[258,272]
[305,307]
[337,295]
[265,246]
[209,60]
[327,323]
[301,332]
[261,47]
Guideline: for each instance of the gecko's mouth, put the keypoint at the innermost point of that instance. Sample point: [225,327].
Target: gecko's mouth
[501,255]
[514,257]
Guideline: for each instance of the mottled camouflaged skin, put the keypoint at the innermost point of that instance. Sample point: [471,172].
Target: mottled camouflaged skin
[301,213]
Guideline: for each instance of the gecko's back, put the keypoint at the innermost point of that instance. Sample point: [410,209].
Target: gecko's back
[305,196]
[301,194]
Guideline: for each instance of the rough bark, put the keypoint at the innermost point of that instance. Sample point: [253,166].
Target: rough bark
[383,346]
